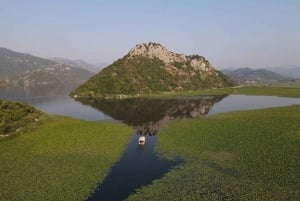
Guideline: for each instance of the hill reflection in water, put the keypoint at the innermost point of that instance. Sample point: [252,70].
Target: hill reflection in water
[147,116]
[140,166]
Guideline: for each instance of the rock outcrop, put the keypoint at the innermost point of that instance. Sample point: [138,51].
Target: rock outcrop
[155,50]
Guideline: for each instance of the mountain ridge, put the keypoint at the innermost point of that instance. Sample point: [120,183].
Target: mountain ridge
[249,75]
[24,69]
[79,63]
[288,71]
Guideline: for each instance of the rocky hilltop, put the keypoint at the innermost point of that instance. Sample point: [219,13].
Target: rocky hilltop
[151,68]
[173,60]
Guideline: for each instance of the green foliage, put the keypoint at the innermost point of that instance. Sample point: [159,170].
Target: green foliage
[16,116]
[61,159]
[129,76]
[197,57]
[140,75]
[251,155]
[178,64]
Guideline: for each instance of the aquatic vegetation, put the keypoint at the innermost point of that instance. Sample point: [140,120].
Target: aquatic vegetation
[61,159]
[251,155]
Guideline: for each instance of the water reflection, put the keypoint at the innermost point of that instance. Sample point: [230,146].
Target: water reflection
[147,116]
[140,164]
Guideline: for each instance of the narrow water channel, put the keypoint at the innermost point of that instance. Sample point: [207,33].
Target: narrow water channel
[138,166]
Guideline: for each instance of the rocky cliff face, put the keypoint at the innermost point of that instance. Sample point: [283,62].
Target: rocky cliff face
[155,50]
[151,68]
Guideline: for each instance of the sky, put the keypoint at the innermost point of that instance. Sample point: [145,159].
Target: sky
[229,33]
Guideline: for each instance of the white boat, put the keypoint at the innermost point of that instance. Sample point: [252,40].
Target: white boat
[142,140]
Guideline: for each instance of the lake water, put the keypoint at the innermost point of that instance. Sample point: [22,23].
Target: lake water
[139,113]
[53,101]
[137,166]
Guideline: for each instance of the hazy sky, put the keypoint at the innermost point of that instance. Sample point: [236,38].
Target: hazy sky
[229,33]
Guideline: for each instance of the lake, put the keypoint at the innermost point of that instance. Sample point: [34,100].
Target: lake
[53,100]
[137,166]
[138,112]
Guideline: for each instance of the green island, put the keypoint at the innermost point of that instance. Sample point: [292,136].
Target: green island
[247,155]
[142,72]
[59,159]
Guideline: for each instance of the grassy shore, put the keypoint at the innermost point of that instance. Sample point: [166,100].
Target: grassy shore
[60,159]
[251,155]
[283,91]
[292,92]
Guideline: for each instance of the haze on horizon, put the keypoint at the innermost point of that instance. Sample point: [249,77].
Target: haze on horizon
[233,33]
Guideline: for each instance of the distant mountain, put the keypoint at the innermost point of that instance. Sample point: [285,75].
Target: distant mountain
[289,71]
[151,68]
[254,75]
[80,64]
[27,70]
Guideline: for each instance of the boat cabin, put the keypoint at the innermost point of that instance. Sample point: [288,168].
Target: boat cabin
[142,140]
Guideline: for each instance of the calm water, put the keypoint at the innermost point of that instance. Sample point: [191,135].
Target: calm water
[53,101]
[137,166]
[243,102]
[138,112]
[148,115]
